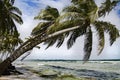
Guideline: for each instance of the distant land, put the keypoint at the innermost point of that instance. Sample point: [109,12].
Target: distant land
[71,60]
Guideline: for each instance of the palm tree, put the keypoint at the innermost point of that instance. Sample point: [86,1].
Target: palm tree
[9,36]
[75,22]
[85,14]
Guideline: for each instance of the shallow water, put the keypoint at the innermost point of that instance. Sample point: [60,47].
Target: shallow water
[105,66]
[101,70]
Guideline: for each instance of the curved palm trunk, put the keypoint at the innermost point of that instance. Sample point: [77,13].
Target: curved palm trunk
[28,45]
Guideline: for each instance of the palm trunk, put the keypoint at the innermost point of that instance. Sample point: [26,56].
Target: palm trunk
[28,45]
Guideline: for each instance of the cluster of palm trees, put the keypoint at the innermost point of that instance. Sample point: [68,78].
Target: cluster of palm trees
[76,20]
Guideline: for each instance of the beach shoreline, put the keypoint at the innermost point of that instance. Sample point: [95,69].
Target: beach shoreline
[32,70]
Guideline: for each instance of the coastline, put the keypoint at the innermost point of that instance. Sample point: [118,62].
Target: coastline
[97,70]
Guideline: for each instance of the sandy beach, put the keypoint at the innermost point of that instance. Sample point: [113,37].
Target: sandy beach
[43,70]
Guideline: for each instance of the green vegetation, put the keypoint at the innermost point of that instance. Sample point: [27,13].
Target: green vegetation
[9,36]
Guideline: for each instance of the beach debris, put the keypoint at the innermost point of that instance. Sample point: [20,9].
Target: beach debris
[49,73]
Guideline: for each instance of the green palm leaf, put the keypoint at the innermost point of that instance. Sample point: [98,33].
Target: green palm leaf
[107,6]
[50,42]
[100,32]
[88,44]
[15,9]
[40,28]
[66,21]
[17,18]
[111,29]
[72,8]
[48,14]
[113,32]
[60,40]
[74,35]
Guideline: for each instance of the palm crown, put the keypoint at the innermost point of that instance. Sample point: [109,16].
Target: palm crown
[82,13]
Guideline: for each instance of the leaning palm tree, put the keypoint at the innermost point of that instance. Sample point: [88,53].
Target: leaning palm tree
[85,14]
[75,22]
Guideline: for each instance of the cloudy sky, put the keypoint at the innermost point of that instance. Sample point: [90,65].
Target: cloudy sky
[31,8]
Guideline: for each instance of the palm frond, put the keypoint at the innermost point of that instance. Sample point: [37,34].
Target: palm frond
[74,35]
[48,13]
[9,43]
[72,8]
[11,27]
[113,32]
[50,42]
[100,32]
[17,18]
[66,21]
[107,6]
[60,36]
[7,26]
[15,9]
[60,40]
[40,28]
[70,16]
[111,29]
[88,9]
[88,44]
